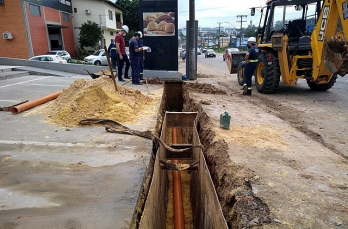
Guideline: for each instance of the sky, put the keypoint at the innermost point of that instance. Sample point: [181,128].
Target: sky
[210,12]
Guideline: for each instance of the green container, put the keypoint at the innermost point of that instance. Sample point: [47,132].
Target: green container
[225,120]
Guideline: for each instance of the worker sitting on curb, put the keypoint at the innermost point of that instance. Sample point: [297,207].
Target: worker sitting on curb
[251,59]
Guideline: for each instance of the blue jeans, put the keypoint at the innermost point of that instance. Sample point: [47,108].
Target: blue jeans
[114,62]
[141,61]
[135,63]
[248,73]
[120,66]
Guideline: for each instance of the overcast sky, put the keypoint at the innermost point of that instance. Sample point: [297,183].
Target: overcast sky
[210,12]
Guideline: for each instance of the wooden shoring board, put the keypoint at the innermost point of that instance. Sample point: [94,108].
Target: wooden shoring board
[207,212]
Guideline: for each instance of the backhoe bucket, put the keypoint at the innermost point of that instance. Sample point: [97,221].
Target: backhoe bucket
[233,62]
[336,57]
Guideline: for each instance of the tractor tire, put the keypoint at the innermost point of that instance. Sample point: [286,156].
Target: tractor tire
[322,87]
[240,74]
[267,77]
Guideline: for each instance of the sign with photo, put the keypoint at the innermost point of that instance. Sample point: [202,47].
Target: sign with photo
[159,23]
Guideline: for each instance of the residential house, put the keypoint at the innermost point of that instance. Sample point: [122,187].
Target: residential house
[34,27]
[105,13]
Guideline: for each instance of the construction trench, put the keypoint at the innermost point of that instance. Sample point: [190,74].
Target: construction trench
[197,187]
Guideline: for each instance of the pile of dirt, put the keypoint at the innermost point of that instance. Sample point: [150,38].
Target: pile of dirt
[154,81]
[241,208]
[204,88]
[95,99]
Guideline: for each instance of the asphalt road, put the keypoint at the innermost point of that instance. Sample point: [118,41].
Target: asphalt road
[323,116]
[57,177]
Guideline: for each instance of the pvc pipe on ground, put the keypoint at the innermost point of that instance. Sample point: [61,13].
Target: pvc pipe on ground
[34,103]
[179,220]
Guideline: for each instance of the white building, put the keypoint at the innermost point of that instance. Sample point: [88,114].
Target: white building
[105,13]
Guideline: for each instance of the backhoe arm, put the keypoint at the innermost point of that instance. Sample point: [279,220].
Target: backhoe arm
[330,53]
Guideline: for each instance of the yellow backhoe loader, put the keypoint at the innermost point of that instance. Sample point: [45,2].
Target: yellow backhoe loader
[304,43]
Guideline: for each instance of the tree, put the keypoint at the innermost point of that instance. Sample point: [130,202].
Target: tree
[90,34]
[131,15]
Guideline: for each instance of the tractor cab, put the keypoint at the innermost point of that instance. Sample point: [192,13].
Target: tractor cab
[295,18]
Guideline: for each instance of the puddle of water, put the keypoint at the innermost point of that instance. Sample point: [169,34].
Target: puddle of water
[16,200]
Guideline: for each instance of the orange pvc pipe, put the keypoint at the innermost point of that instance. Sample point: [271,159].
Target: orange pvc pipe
[179,220]
[34,103]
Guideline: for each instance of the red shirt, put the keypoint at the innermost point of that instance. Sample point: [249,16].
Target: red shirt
[119,39]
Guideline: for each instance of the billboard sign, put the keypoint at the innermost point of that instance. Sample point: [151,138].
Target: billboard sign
[159,24]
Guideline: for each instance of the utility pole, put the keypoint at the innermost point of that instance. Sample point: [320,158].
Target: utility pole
[241,26]
[219,34]
[192,59]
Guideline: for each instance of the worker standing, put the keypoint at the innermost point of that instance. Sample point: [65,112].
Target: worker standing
[134,54]
[121,51]
[251,59]
[141,55]
[113,55]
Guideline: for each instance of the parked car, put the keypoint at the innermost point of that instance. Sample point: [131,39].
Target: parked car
[97,58]
[63,54]
[199,51]
[227,55]
[127,51]
[204,50]
[49,58]
[210,53]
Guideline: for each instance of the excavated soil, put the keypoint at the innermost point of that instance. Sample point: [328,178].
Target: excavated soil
[205,88]
[232,182]
[96,99]
[154,81]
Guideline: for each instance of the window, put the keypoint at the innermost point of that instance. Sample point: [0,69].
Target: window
[34,10]
[66,17]
[110,15]
[111,33]
[75,10]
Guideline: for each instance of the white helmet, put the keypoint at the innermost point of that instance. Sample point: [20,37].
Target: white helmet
[252,39]
[125,28]
[141,34]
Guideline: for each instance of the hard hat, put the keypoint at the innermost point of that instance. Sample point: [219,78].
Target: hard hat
[252,39]
[125,28]
[141,34]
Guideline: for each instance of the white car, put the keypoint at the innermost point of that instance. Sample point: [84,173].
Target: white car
[63,54]
[97,58]
[49,58]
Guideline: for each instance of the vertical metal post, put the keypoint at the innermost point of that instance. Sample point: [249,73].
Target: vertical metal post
[284,13]
[192,57]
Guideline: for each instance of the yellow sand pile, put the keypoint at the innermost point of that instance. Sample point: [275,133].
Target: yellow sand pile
[96,99]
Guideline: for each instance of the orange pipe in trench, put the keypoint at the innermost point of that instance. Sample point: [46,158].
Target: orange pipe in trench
[179,220]
[34,103]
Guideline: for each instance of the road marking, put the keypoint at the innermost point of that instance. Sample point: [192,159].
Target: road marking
[48,85]
[4,100]
[25,81]
[55,144]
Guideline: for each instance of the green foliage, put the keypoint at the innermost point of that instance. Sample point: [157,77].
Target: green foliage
[79,62]
[81,53]
[131,16]
[90,34]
